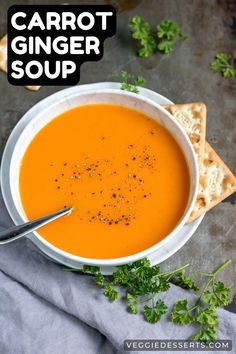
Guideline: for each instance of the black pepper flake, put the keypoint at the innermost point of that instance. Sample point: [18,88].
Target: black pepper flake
[58,187]
[114,195]
[134,176]
[127,224]
[65,164]
[126,164]
[103,137]
[93,193]
[145,196]
[62,174]
[71,193]
[134,158]
[152,132]
[56,180]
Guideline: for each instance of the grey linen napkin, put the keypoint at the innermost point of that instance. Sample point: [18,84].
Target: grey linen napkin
[46,310]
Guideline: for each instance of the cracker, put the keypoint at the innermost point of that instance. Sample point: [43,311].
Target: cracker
[192,116]
[3,54]
[33,88]
[3,60]
[216,183]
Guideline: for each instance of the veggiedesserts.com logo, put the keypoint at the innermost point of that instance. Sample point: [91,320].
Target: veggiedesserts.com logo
[48,43]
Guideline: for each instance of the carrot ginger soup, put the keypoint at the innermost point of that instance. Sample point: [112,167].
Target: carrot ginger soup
[124,174]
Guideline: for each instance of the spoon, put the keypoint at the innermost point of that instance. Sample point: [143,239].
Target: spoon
[16,232]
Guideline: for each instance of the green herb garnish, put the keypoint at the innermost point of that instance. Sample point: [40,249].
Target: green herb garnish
[221,64]
[167,32]
[144,283]
[203,313]
[140,30]
[130,82]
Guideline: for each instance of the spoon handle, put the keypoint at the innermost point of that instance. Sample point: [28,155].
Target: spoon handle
[19,231]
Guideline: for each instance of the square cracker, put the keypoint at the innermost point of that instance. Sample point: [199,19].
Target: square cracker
[192,116]
[216,180]
[216,183]
[3,60]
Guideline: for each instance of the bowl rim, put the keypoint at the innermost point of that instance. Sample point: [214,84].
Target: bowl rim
[96,261]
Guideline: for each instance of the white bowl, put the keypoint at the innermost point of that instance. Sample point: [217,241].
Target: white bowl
[42,113]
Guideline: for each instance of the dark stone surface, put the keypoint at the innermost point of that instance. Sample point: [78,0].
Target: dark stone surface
[184,76]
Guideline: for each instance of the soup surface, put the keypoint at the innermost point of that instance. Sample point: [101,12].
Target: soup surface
[124,174]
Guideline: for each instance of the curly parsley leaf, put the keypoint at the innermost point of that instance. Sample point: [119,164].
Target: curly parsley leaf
[222,293]
[132,301]
[153,314]
[148,47]
[205,334]
[181,314]
[165,46]
[208,316]
[100,280]
[186,282]
[221,64]
[111,293]
[164,284]
[145,262]
[91,269]
[167,29]
[140,29]
[130,82]
[229,72]
[219,296]
[167,32]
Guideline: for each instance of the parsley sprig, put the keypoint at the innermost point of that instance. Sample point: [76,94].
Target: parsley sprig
[144,283]
[163,41]
[167,32]
[130,82]
[203,313]
[140,30]
[221,64]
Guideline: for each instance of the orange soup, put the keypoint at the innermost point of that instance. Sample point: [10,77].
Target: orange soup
[124,174]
